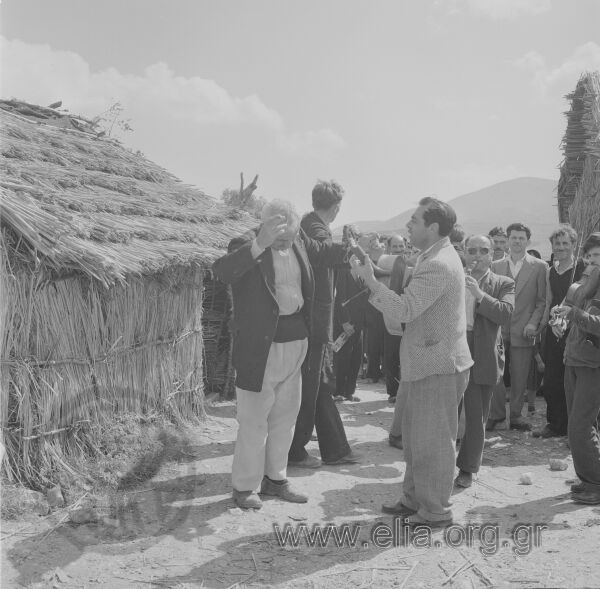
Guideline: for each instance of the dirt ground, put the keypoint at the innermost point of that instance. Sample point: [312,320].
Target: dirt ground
[181,528]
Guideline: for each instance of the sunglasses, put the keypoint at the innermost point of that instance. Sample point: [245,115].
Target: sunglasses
[473,250]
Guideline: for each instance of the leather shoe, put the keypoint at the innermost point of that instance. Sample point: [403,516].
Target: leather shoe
[307,462]
[350,458]
[586,497]
[491,424]
[397,509]
[392,400]
[464,479]
[395,441]
[545,432]
[283,490]
[578,488]
[521,426]
[247,499]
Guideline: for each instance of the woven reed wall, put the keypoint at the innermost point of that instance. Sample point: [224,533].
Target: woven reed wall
[73,353]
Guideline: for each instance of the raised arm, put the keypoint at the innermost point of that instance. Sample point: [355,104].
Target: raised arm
[426,287]
[498,310]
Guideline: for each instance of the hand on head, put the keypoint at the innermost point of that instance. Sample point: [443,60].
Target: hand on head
[270,230]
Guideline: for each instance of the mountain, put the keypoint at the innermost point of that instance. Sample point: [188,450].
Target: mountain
[531,201]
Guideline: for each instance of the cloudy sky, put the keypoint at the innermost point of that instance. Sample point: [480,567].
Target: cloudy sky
[394,99]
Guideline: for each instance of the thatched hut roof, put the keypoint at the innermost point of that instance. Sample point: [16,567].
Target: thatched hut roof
[579,184]
[86,203]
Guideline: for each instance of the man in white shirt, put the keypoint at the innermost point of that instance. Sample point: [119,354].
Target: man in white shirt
[530,276]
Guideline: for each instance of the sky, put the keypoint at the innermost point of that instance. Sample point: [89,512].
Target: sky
[393,99]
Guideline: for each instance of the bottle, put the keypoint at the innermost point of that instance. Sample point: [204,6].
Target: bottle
[338,344]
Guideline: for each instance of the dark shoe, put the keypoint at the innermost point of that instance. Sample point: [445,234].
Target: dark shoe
[491,424]
[395,441]
[531,409]
[397,509]
[307,462]
[282,490]
[578,488]
[545,432]
[464,479]
[247,499]
[350,458]
[521,426]
[416,520]
[392,400]
[586,497]
[353,399]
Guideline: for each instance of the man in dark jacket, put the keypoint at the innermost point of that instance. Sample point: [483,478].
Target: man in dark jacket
[582,377]
[489,300]
[272,282]
[318,410]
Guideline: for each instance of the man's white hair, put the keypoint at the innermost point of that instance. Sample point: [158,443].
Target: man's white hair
[282,207]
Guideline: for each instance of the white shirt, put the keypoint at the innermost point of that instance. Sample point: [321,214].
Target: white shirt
[515,267]
[288,279]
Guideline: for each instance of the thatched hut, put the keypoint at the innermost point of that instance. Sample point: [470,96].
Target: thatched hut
[104,261]
[579,184]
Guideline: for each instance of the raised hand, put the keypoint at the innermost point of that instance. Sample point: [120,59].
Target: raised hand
[473,287]
[363,271]
[270,230]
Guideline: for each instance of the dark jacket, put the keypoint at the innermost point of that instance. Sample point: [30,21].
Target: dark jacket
[583,342]
[315,228]
[255,309]
[491,313]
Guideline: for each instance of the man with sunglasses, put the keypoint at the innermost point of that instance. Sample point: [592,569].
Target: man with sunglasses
[489,303]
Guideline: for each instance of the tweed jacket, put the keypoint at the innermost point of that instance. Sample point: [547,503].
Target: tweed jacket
[315,228]
[433,308]
[530,298]
[255,308]
[494,309]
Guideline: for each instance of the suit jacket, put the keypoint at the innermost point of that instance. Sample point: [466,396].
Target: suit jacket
[433,308]
[491,313]
[316,229]
[255,308]
[530,298]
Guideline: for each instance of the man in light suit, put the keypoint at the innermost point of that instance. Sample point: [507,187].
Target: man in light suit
[530,276]
[490,301]
[272,282]
[435,361]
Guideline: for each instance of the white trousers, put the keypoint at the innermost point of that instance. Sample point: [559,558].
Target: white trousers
[267,419]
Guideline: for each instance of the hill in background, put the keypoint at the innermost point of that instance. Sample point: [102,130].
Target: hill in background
[529,200]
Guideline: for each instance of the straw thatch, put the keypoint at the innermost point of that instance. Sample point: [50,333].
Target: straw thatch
[579,184]
[103,262]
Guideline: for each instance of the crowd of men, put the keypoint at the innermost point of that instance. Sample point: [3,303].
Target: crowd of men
[455,322]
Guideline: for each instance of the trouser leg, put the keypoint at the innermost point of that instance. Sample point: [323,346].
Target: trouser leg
[520,363]
[476,408]
[582,386]
[272,411]
[429,428]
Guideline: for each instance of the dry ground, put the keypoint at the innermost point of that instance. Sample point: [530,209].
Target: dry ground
[181,528]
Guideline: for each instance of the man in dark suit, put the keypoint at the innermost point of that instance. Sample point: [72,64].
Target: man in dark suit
[318,410]
[272,282]
[489,301]
[530,276]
